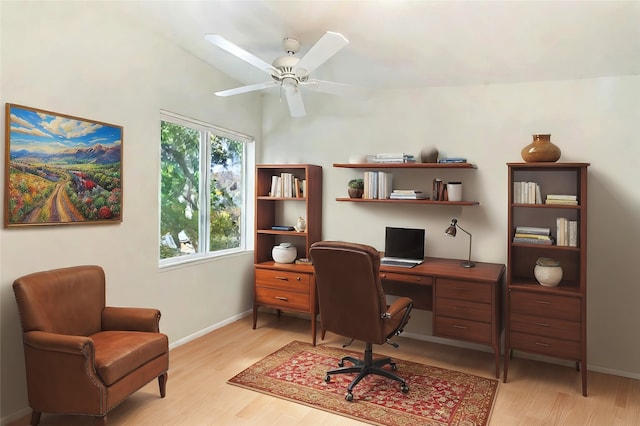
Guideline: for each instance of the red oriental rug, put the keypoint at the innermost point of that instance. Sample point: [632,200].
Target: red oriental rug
[437,396]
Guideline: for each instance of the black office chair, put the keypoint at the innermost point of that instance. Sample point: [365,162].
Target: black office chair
[353,304]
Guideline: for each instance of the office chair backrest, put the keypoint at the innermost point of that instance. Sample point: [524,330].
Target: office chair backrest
[350,293]
[63,301]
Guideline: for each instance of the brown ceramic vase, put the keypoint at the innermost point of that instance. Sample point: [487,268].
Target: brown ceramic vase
[540,150]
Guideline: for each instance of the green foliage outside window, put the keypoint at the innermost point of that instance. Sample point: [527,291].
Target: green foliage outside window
[181,195]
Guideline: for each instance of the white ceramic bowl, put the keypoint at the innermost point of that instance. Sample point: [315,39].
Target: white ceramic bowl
[284,254]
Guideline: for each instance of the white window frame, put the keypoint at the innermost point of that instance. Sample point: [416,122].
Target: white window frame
[248,180]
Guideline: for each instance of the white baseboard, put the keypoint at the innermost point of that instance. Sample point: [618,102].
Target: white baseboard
[209,329]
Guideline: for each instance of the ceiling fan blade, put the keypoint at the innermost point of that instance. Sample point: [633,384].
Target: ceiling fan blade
[328,45]
[294,100]
[245,89]
[250,58]
[333,88]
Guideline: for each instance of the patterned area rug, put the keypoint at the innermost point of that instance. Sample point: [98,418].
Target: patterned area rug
[437,396]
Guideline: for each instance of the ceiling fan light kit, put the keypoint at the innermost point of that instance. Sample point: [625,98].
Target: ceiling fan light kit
[289,72]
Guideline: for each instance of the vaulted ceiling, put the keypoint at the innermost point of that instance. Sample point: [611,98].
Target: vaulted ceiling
[403,44]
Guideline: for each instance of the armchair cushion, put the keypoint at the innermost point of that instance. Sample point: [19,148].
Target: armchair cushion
[118,353]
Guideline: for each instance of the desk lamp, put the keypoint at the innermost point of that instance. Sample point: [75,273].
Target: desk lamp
[451,231]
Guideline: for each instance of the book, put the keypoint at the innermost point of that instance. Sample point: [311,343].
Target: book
[452,160]
[562,202]
[282,228]
[535,236]
[303,261]
[418,196]
[406,191]
[573,233]
[532,241]
[562,231]
[562,197]
[385,183]
[533,230]
[436,189]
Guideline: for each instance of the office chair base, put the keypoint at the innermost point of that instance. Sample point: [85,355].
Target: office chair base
[364,368]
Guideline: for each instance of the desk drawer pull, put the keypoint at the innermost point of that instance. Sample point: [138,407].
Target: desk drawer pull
[544,302]
[284,299]
[460,326]
[542,324]
[546,345]
[281,278]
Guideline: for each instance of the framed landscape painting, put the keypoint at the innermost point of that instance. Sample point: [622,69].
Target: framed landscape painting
[61,169]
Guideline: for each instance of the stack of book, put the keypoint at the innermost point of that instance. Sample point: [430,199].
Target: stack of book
[287,185]
[452,160]
[567,232]
[526,193]
[377,184]
[561,199]
[394,157]
[407,194]
[533,235]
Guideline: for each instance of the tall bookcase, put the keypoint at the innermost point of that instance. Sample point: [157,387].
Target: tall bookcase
[549,321]
[289,287]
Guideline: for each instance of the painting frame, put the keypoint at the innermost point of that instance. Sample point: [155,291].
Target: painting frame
[61,169]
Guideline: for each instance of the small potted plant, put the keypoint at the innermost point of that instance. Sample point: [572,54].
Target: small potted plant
[356,188]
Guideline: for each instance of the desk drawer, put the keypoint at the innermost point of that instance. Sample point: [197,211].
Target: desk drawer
[545,305]
[546,345]
[283,280]
[547,327]
[406,278]
[465,290]
[282,299]
[462,329]
[463,309]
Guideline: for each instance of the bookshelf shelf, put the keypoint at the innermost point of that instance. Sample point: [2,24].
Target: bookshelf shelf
[376,166]
[387,200]
[548,321]
[407,166]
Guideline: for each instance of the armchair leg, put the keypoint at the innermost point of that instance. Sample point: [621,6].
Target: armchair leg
[35,418]
[162,382]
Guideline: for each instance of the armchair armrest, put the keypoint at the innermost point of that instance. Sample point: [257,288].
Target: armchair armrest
[42,340]
[131,319]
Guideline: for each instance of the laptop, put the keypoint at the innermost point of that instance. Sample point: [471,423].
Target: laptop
[403,247]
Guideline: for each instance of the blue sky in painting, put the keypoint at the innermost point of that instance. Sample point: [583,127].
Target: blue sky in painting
[37,131]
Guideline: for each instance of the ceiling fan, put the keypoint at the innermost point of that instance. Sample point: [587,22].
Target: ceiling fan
[289,72]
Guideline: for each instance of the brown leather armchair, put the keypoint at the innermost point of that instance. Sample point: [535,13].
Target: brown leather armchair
[353,304]
[82,357]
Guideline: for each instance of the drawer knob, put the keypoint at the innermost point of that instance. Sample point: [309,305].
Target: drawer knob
[284,299]
[297,278]
[383,276]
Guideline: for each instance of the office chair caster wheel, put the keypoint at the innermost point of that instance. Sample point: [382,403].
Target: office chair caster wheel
[349,397]
[327,379]
[404,388]
[393,366]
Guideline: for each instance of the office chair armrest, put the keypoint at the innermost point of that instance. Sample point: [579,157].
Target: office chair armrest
[131,319]
[399,305]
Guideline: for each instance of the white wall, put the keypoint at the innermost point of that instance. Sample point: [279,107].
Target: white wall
[77,59]
[593,121]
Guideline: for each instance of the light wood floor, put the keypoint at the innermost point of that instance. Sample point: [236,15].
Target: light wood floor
[536,393]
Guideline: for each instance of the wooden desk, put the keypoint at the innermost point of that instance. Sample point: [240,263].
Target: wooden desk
[465,302]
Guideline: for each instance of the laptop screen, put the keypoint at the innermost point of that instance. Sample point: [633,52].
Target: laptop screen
[404,243]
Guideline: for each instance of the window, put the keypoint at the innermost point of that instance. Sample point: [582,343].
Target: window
[202,165]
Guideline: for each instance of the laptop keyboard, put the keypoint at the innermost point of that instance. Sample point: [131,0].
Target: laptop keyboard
[397,263]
